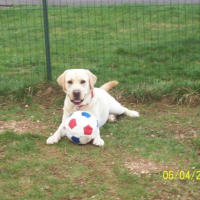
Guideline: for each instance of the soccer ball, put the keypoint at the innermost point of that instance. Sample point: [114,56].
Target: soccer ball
[81,127]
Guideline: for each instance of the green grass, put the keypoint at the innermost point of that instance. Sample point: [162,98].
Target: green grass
[164,135]
[153,51]
[147,48]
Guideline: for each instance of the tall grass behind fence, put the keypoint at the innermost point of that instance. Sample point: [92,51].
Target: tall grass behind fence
[22,50]
[133,43]
[137,44]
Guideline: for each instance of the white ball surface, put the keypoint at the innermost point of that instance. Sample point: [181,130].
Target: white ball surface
[81,127]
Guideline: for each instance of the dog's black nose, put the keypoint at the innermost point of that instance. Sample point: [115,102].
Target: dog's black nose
[76,94]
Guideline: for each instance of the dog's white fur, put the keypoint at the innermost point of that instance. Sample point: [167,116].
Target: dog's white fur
[95,100]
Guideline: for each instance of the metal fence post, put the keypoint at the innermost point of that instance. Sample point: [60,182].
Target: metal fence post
[47,46]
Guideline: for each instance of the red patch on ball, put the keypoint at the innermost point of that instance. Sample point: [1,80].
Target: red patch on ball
[88,130]
[72,123]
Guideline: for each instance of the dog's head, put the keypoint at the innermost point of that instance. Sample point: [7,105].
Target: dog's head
[77,84]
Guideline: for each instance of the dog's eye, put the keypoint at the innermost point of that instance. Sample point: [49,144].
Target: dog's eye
[70,82]
[82,82]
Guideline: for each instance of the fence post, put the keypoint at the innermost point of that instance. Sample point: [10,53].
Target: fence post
[47,46]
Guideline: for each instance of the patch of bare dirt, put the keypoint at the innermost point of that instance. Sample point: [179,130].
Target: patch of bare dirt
[47,94]
[22,126]
[139,166]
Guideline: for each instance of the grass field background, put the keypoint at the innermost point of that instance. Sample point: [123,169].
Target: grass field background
[146,48]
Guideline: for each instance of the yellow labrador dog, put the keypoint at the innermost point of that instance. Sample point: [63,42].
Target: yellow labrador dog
[78,84]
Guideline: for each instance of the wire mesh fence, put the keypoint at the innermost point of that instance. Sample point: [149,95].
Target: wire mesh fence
[135,42]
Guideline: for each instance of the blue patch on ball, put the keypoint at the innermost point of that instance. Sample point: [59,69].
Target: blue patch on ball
[75,139]
[85,114]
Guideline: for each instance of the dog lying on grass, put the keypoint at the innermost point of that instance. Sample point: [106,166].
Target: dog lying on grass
[78,84]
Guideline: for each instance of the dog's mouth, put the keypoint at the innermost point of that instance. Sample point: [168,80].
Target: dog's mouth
[77,101]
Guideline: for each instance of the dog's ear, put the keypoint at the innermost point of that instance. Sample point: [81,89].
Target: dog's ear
[92,79]
[61,80]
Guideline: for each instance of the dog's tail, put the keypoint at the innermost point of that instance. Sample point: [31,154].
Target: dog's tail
[107,86]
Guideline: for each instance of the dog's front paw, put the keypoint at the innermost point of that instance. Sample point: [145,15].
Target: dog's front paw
[98,141]
[111,118]
[52,140]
